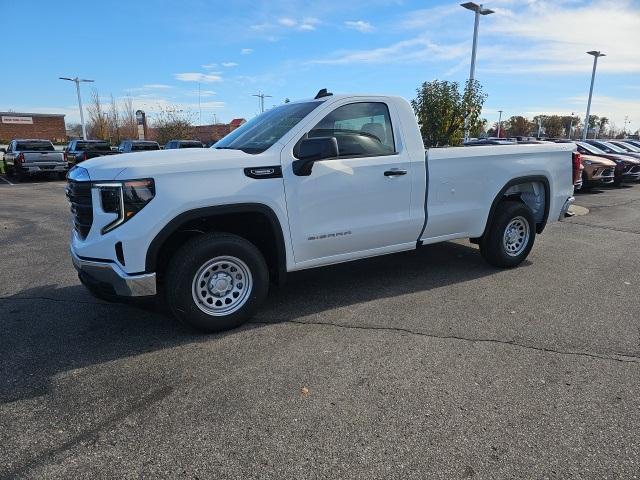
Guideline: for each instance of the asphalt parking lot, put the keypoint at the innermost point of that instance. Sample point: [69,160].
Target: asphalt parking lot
[428,364]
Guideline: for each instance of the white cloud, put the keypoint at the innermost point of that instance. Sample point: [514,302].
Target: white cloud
[360,25]
[203,93]
[555,36]
[210,66]
[416,49]
[198,77]
[157,86]
[304,24]
[246,51]
[229,64]
[287,22]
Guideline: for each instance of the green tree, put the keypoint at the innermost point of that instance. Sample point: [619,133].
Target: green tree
[553,126]
[442,110]
[518,126]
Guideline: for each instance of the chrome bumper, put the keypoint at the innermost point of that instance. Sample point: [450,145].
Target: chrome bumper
[110,275]
[565,208]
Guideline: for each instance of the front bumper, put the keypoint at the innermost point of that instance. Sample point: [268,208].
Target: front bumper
[565,208]
[109,278]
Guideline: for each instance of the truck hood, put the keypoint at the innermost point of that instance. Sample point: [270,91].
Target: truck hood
[160,162]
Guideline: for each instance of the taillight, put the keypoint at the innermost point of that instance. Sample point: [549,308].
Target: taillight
[576,162]
[66,157]
[85,156]
[20,159]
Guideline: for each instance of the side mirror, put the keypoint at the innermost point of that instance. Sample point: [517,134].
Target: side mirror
[311,150]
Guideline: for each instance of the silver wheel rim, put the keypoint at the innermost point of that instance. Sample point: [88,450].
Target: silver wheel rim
[222,285]
[516,236]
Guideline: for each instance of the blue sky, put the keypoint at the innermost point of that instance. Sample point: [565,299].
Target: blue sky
[531,56]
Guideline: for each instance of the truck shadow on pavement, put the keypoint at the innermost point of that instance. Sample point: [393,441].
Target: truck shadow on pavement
[47,330]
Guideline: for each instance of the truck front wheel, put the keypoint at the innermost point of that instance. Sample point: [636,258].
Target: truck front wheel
[510,235]
[216,282]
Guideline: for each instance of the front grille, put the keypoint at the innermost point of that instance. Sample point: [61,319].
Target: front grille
[607,172]
[79,195]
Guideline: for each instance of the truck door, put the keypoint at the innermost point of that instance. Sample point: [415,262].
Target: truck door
[358,204]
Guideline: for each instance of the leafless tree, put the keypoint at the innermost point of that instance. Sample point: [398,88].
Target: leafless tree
[173,123]
[98,124]
[128,127]
[114,122]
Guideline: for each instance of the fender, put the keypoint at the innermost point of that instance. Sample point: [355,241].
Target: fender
[515,181]
[182,219]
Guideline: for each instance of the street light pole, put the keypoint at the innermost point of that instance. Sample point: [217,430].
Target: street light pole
[595,54]
[571,125]
[499,122]
[77,81]
[478,10]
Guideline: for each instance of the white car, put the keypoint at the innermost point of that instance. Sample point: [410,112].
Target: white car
[305,184]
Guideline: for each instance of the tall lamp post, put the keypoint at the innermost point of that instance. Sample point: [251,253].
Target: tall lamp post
[596,55]
[571,125]
[478,10]
[499,122]
[77,81]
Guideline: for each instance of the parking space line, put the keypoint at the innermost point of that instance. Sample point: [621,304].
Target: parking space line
[2,178]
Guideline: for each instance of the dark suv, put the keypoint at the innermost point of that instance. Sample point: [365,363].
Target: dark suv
[183,144]
[128,146]
[80,150]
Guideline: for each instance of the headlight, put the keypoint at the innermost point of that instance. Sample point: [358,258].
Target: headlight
[125,199]
[587,162]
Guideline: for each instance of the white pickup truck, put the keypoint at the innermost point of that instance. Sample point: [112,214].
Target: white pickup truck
[305,184]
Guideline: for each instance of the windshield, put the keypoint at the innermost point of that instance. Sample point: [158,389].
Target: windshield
[34,147]
[628,147]
[259,133]
[613,147]
[591,149]
[100,146]
[136,147]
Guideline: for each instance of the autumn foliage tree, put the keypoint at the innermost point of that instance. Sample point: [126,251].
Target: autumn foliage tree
[442,110]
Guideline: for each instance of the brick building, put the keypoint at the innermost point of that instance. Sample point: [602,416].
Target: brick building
[32,125]
[213,133]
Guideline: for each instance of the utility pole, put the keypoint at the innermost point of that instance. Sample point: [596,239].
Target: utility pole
[596,54]
[261,96]
[199,107]
[77,81]
[499,123]
[478,10]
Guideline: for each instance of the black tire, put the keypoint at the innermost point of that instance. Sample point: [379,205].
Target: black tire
[189,262]
[492,244]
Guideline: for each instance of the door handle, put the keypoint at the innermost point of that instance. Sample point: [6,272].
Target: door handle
[395,172]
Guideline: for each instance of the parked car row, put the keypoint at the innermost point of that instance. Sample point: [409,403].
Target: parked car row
[603,162]
[29,157]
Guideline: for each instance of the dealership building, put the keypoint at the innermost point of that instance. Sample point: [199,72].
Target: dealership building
[48,126]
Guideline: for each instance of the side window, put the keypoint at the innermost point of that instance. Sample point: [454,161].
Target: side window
[362,129]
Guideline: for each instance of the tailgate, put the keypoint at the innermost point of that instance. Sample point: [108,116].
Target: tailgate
[43,157]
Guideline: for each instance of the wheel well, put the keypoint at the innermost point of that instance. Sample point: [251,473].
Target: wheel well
[531,191]
[255,226]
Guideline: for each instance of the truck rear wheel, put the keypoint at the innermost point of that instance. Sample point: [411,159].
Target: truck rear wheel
[216,282]
[510,235]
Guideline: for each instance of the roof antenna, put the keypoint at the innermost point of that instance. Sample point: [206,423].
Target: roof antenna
[323,93]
